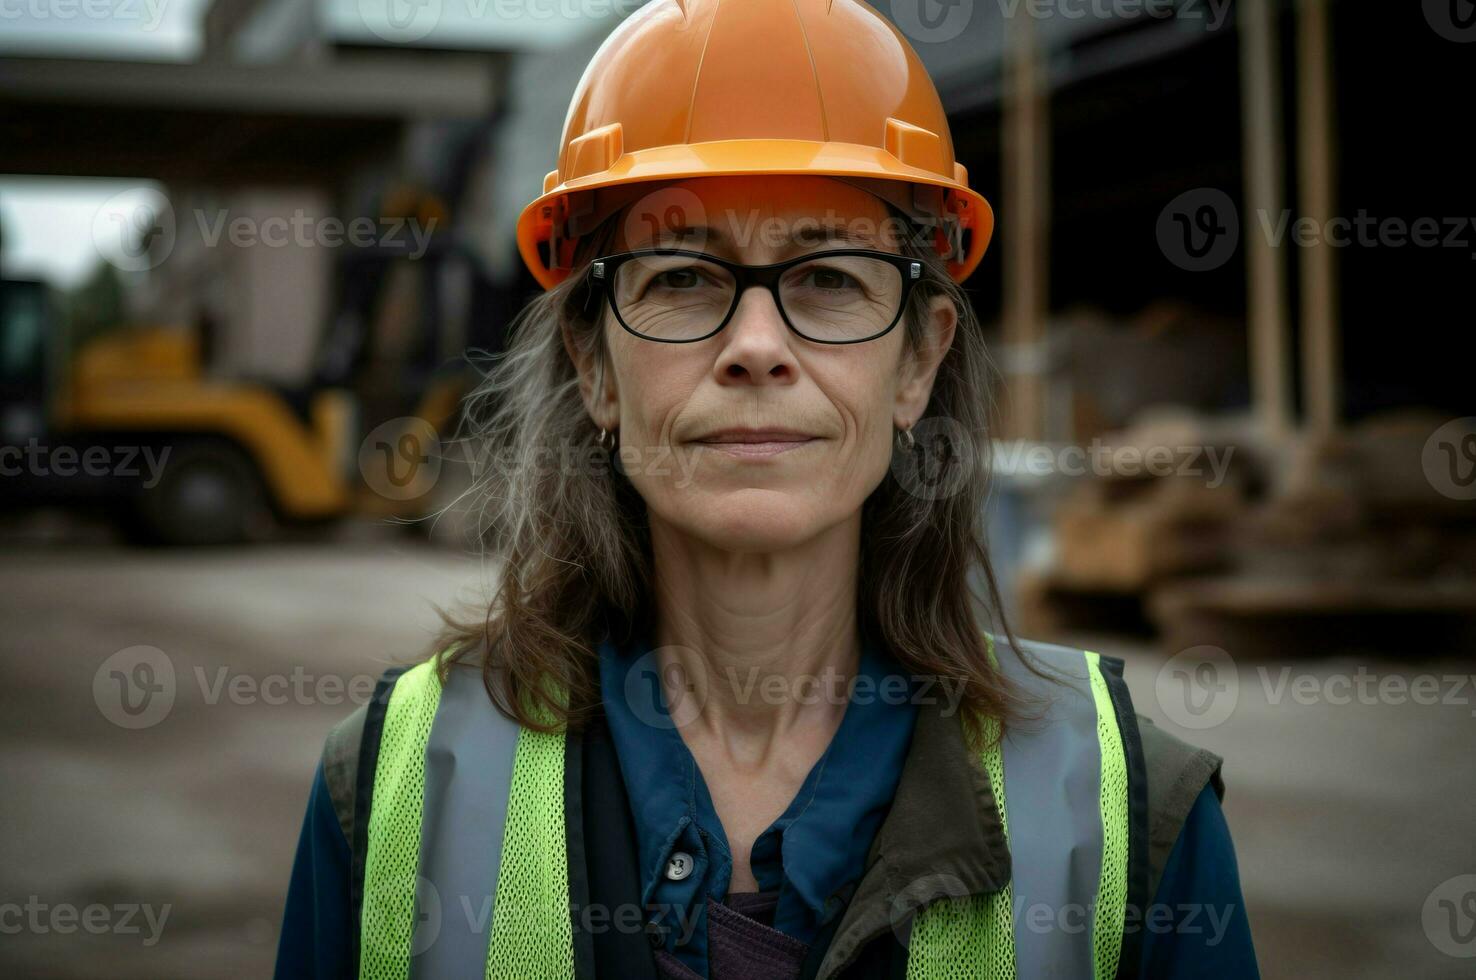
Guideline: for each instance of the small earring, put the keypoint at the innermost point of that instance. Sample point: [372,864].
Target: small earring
[905,440]
[603,434]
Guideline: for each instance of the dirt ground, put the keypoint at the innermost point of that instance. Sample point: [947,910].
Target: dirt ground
[141,842]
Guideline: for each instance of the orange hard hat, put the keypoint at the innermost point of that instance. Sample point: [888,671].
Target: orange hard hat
[702,88]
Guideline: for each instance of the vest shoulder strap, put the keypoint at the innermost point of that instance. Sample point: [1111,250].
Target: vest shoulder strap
[364,772]
[461,828]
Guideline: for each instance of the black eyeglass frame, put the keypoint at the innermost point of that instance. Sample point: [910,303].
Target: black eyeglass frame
[602,271]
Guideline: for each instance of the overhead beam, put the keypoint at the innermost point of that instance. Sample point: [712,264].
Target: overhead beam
[193,147]
[225,125]
[372,87]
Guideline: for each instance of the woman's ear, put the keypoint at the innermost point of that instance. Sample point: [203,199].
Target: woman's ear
[597,385]
[920,366]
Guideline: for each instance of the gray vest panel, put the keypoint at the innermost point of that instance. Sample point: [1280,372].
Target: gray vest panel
[468,774]
[1053,773]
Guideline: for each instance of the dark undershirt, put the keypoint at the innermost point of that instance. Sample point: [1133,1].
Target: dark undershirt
[742,942]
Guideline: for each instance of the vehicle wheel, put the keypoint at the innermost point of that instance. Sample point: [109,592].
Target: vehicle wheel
[209,494]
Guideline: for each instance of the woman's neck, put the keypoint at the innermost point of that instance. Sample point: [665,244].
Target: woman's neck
[756,653]
[769,641]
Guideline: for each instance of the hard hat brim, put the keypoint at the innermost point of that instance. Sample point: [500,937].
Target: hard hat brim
[753,156]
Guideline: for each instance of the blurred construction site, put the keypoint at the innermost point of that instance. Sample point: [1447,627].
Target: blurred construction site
[254,253]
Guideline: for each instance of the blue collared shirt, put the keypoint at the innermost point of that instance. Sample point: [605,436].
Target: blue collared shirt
[813,854]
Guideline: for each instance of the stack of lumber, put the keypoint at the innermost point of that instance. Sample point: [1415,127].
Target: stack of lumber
[1355,549]
[1121,531]
[1339,541]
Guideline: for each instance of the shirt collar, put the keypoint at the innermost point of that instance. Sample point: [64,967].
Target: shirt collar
[851,786]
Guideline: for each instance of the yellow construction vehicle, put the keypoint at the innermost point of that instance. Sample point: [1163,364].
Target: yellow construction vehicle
[135,421]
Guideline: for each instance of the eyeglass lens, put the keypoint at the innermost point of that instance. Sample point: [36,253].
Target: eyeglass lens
[829,299]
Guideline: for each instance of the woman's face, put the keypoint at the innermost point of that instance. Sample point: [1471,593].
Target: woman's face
[840,404]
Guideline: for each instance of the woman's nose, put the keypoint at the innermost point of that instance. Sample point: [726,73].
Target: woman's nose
[756,343]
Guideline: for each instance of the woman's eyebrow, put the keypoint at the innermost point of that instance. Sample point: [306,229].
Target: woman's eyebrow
[809,234]
[678,234]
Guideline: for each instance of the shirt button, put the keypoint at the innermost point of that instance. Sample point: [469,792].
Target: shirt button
[679,866]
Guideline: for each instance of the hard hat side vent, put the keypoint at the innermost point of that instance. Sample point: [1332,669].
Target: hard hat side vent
[595,152]
[917,147]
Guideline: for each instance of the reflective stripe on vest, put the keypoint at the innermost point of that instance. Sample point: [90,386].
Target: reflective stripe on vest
[1064,780]
[464,797]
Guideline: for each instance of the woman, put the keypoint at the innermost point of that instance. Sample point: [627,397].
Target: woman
[736,710]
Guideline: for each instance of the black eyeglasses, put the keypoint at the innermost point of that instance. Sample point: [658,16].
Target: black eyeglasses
[680,296]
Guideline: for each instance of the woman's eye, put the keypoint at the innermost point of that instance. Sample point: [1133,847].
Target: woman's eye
[831,279]
[678,279]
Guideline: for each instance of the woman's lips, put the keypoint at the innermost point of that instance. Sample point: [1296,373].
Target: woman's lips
[750,444]
[749,450]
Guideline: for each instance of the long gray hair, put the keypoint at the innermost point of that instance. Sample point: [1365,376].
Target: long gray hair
[572,540]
